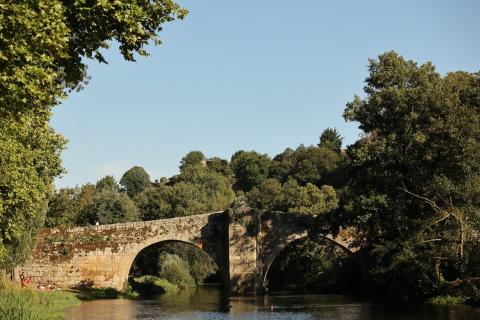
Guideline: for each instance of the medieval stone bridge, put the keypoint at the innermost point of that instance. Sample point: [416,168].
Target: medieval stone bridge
[242,244]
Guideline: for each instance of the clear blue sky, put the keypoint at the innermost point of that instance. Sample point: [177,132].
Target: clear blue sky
[253,75]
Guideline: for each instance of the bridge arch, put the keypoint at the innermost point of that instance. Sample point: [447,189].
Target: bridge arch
[216,258]
[270,258]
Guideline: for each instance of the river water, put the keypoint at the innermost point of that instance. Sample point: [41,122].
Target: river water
[210,303]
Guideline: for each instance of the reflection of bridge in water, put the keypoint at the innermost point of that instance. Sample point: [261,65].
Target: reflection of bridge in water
[242,244]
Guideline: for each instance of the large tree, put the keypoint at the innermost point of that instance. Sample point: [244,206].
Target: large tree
[413,192]
[250,168]
[196,190]
[135,180]
[43,46]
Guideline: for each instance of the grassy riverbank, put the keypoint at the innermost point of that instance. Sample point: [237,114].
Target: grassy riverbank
[28,304]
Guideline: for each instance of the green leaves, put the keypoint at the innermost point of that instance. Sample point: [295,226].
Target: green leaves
[29,160]
[196,190]
[290,197]
[43,46]
[135,180]
[413,175]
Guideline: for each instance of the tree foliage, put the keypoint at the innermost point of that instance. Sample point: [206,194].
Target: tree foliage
[106,207]
[331,139]
[135,180]
[413,192]
[29,160]
[315,165]
[90,204]
[291,197]
[250,167]
[36,70]
[196,190]
[43,46]
[193,158]
[107,183]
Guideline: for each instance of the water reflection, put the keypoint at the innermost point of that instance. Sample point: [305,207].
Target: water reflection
[212,304]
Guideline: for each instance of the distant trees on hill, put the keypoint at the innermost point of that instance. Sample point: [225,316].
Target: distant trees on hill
[294,181]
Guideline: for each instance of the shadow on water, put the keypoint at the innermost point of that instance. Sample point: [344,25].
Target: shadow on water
[211,303]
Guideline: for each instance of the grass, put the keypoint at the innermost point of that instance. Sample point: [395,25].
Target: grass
[151,285]
[28,304]
[446,299]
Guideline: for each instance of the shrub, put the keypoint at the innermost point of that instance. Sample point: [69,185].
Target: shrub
[151,285]
[175,270]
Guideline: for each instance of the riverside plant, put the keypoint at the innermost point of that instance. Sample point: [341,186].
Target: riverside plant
[28,304]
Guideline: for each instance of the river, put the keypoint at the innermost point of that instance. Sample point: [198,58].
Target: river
[210,303]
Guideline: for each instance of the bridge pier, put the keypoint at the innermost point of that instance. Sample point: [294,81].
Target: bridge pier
[242,254]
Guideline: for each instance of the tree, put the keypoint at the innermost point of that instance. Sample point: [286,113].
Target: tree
[331,139]
[29,160]
[41,68]
[411,194]
[36,73]
[106,207]
[153,203]
[291,197]
[107,183]
[61,208]
[135,180]
[269,195]
[221,166]
[250,168]
[315,165]
[192,158]
[196,190]
[175,270]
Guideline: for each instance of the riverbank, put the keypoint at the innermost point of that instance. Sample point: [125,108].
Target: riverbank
[29,304]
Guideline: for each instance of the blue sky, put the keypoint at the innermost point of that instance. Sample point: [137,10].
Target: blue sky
[253,75]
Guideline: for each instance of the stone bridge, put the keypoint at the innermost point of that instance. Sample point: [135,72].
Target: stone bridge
[242,244]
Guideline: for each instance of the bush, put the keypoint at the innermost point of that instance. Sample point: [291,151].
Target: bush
[150,285]
[175,270]
[200,263]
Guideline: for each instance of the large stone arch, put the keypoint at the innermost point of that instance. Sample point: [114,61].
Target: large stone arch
[219,259]
[280,229]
